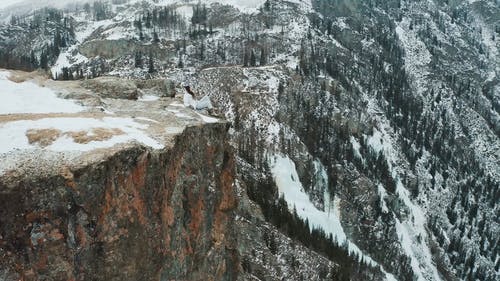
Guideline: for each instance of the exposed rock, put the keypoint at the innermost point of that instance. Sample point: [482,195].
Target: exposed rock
[159,87]
[110,87]
[127,212]
[134,215]
[112,49]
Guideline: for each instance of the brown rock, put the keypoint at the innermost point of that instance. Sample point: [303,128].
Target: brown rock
[137,214]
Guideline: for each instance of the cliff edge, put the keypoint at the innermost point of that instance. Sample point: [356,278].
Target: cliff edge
[97,188]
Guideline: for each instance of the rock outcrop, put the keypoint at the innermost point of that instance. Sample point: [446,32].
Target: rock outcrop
[136,214]
[131,89]
[125,212]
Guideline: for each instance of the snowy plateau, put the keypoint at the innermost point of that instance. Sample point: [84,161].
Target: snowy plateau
[366,134]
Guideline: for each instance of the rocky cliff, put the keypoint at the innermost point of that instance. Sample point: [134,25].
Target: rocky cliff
[127,212]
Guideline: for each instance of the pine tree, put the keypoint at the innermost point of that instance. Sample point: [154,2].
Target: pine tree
[138,59]
[246,58]
[181,63]
[253,59]
[263,58]
[33,60]
[202,50]
[156,39]
[151,68]
[267,6]
[44,61]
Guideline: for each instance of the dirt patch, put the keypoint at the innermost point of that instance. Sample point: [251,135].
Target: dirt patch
[38,116]
[45,137]
[97,134]
[42,137]
[20,76]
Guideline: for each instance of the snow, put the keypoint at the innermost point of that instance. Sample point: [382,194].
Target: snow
[247,6]
[39,3]
[207,119]
[185,11]
[176,104]
[491,45]
[28,97]
[119,32]
[67,59]
[287,180]
[174,130]
[273,84]
[6,3]
[82,33]
[340,22]
[71,56]
[417,56]
[288,183]
[412,232]
[356,146]
[13,134]
[273,130]
[409,232]
[382,193]
[149,98]
[146,119]
[376,141]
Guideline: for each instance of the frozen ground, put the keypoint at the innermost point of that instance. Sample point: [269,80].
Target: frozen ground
[34,119]
[28,97]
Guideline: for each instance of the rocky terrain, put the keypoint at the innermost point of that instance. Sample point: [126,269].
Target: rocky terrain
[365,133]
[134,210]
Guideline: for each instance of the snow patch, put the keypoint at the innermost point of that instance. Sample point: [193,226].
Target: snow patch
[207,119]
[13,134]
[27,97]
[411,233]
[287,180]
[149,98]
[376,142]
[417,56]
[177,104]
[67,59]
[356,146]
[382,193]
[174,130]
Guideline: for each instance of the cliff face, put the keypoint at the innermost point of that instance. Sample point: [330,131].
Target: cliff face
[137,214]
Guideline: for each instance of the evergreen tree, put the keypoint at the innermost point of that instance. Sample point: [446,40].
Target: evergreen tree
[246,58]
[263,58]
[181,63]
[151,68]
[44,61]
[138,59]
[156,39]
[253,59]
[202,50]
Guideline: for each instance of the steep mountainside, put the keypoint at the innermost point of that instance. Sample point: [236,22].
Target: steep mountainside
[366,131]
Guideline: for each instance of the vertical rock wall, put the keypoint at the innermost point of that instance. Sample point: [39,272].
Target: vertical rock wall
[137,215]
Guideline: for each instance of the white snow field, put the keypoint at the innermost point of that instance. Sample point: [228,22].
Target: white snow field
[28,97]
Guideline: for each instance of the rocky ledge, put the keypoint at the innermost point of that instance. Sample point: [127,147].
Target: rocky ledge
[113,189]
